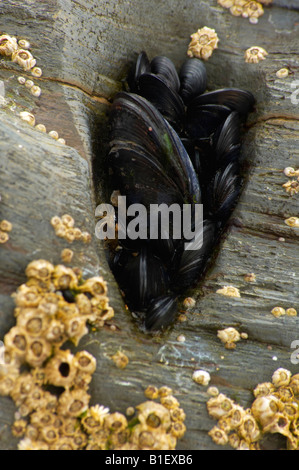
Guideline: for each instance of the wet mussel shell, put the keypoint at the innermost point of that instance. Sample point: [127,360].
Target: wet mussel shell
[171,142]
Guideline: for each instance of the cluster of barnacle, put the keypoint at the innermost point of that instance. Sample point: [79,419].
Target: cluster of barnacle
[229,291]
[65,228]
[54,306]
[5,228]
[18,51]
[280,311]
[229,337]
[274,410]
[247,9]
[292,185]
[203,43]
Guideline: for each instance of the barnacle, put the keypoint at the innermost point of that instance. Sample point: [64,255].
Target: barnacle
[28,117]
[151,392]
[54,135]
[250,277]
[5,226]
[115,422]
[281,377]
[289,171]
[24,58]
[292,312]
[278,311]
[189,302]
[73,403]
[36,72]
[61,369]
[254,54]
[8,45]
[218,435]
[4,237]
[39,349]
[67,255]
[155,415]
[41,127]
[29,84]
[164,391]
[203,43]
[39,269]
[36,90]
[252,9]
[201,377]
[292,222]
[291,187]
[229,336]
[229,291]
[282,73]
[64,278]
[120,360]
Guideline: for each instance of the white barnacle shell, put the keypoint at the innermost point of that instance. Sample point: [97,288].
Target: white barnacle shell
[29,83]
[201,377]
[203,43]
[36,72]
[28,117]
[282,73]
[22,80]
[36,90]
[228,335]
[24,44]
[254,54]
[281,377]
[292,222]
[41,127]
[54,135]
[24,58]
[8,45]
[229,291]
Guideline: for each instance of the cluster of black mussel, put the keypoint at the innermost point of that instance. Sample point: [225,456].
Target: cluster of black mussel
[173,142]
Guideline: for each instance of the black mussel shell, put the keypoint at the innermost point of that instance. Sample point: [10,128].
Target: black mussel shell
[161,313]
[223,192]
[143,278]
[141,178]
[142,66]
[193,78]
[227,137]
[164,98]
[241,101]
[135,121]
[203,120]
[164,68]
[192,263]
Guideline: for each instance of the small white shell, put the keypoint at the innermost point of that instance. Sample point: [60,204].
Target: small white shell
[36,72]
[61,141]
[22,80]
[24,44]
[41,127]
[36,91]
[201,377]
[29,84]
[54,135]
[28,117]
[282,73]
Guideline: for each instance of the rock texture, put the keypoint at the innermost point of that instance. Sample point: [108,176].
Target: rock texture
[84,50]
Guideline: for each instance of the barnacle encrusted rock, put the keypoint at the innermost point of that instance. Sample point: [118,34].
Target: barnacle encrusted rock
[65,420]
[255,54]
[274,410]
[203,43]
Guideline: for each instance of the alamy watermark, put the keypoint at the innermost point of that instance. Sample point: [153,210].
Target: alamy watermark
[295,94]
[295,353]
[2,352]
[160,221]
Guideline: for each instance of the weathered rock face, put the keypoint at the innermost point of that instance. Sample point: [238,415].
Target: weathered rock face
[84,50]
